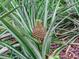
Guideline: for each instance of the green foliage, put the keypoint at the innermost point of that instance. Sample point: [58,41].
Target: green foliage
[19,18]
[54,57]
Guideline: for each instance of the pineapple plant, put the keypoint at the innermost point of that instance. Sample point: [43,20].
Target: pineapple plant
[35,25]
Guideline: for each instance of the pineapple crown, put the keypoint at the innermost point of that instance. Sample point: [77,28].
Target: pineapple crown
[38,22]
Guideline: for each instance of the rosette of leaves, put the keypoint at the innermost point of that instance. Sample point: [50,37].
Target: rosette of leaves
[32,21]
